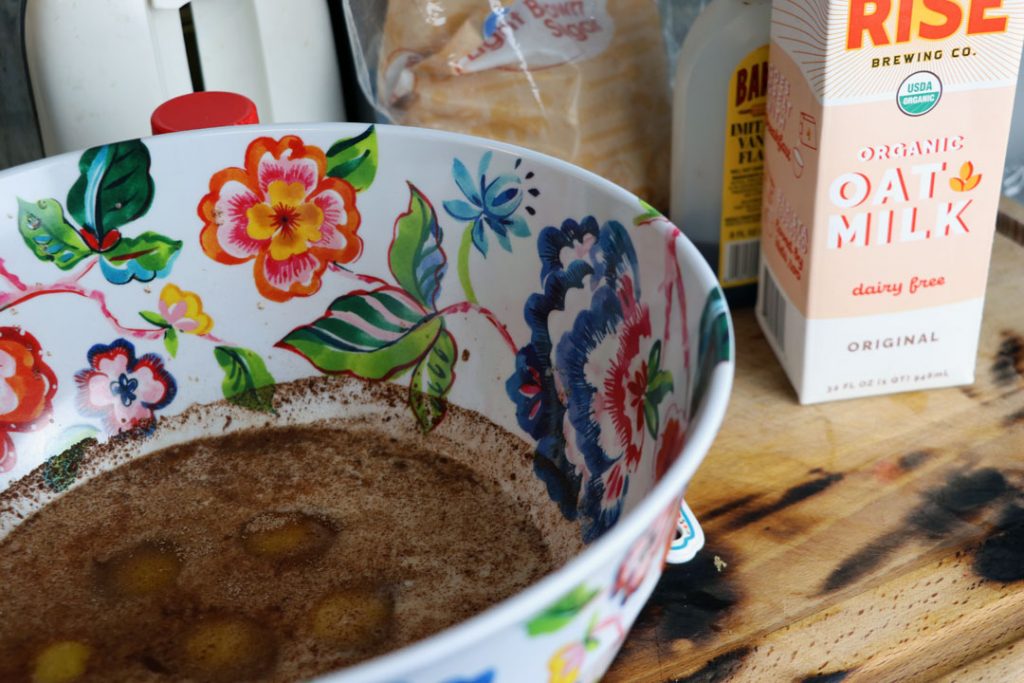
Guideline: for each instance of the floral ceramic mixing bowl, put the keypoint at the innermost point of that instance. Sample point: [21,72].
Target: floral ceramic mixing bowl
[142,277]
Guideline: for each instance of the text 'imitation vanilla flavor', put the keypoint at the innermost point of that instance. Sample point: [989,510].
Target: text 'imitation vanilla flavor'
[887,124]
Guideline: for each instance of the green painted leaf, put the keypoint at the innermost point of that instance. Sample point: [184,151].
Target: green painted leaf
[142,258]
[654,358]
[592,625]
[247,382]
[649,212]
[318,343]
[415,257]
[432,379]
[590,642]
[154,318]
[714,328]
[659,385]
[659,382]
[652,419]
[354,159]
[171,341]
[562,611]
[48,234]
[114,187]
[372,335]
[715,343]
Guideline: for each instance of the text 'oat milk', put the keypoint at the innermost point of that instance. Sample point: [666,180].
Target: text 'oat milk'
[887,123]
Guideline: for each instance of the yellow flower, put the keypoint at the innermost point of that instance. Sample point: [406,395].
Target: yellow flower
[184,311]
[289,221]
[564,666]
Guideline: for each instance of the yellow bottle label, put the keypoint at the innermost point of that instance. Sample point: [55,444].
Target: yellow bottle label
[743,170]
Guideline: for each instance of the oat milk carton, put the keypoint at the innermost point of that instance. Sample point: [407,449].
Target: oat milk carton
[887,123]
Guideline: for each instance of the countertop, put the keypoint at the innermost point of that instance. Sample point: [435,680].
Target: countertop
[877,539]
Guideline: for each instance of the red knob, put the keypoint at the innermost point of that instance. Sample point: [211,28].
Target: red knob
[203,110]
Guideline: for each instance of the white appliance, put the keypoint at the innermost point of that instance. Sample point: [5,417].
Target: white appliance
[99,68]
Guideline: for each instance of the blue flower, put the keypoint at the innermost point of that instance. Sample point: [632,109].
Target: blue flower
[491,203]
[540,410]
[124,388]
[552,386]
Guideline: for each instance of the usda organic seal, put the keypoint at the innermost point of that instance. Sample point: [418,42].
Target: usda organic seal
[919,93]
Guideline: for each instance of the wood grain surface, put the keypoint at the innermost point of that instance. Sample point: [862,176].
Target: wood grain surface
[877,539]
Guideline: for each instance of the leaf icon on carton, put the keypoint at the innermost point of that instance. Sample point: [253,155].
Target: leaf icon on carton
[966,181]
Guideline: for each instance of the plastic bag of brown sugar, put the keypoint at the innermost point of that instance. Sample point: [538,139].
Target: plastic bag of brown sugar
[583,80]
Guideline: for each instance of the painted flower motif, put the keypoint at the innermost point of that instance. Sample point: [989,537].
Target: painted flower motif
[491,204]
[122,389]
[639,559]
[183,311]
[588,385]
[670,441]
[564,666]
[284,213]
[27,387]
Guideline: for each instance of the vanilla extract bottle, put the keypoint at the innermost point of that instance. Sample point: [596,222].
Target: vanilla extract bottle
[718,140]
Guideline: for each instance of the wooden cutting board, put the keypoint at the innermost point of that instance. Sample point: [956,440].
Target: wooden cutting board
[877,539]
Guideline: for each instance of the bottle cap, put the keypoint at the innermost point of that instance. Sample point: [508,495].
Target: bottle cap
[203,110]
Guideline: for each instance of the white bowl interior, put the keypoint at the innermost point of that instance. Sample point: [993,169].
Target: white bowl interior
[551,302]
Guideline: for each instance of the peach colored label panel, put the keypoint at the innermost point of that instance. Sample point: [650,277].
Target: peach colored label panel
[792,132]
[906,206]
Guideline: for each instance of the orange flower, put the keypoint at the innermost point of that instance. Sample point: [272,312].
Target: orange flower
[282,211]
[27,386]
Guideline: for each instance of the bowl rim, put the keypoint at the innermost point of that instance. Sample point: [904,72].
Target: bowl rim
[701,431]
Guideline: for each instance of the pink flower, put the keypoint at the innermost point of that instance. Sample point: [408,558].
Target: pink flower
[122,389]
[564,666]
[639,559]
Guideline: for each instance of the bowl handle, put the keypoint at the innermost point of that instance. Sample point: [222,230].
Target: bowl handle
[689,536]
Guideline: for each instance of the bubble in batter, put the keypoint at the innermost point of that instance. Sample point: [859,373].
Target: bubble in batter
[61,662]
[227,648]
[287,535]
[144,569]
[353,617]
